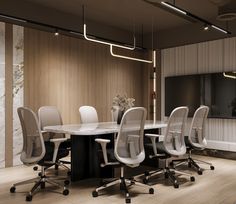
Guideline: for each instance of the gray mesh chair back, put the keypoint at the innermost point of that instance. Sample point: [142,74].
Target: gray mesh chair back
[196,133]
[50,116]
[174,136]
[33,143]
[88,114]
[129,148]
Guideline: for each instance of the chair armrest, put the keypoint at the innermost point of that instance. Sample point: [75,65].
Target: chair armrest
[100,141]
[153,138]
[43,131]
[103,143]
[57,142]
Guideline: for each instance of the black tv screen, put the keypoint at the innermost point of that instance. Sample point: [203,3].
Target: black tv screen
[216,90]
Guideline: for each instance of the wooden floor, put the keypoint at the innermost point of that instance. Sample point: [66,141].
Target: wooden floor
[213,187]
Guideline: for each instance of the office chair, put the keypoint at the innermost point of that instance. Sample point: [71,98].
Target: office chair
[88,114]
[128,151]
[36,151]
[50,116]
[196,140]
[172,146]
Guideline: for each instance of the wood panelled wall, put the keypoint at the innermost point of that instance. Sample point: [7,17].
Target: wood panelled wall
[207,57]
[68,72]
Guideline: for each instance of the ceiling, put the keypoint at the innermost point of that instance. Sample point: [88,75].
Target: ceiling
[124,14]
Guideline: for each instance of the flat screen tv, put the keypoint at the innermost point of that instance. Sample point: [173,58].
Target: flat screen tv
[216,90]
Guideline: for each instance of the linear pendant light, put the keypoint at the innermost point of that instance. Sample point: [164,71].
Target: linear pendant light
[230,76]
[107,43]
[129,58]
[192,16]
[116,45]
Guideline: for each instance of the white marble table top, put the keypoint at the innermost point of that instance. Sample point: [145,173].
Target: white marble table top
[97,128]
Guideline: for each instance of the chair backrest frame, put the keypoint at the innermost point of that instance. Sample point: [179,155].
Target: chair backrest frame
[31,138]
[174,136]
[132,141]
[50,116]
[88,114]
[197,128]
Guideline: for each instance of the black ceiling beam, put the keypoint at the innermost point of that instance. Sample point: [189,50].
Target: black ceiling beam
[53,29]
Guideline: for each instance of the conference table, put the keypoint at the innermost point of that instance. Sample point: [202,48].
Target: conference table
[84,150]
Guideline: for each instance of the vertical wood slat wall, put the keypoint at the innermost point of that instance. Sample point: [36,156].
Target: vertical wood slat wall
[69,72]
[207,57]
[8,95]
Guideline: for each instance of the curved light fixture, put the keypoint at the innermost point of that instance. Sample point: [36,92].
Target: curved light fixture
[107,43]
[129,58]
[231,75]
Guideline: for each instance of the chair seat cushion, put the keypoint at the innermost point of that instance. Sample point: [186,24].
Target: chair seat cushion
[49,146]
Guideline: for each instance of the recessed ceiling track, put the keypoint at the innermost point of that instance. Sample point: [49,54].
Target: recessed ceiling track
[186,15]
[56,29]
[197,18]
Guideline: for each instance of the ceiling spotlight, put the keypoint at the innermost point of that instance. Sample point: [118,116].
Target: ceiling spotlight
[206,27]
[56,33]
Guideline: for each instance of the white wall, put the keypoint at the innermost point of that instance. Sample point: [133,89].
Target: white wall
[207,57]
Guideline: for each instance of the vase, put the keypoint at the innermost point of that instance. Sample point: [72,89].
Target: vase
[119,117]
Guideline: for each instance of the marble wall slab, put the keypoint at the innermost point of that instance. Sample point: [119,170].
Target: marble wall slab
[18,89]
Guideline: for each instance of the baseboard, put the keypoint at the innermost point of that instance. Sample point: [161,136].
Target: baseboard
[221,145]
[226,150]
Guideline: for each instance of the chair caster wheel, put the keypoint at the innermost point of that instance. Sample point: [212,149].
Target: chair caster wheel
[69,173]
[212,167]
[35,168]
[192,178]
[151,191]
[127,200]
[13,189]
[199,172]
[146,173]
[95,194]
[66,192]
[28,198]
[145,181]
[66,182]
[176,185]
